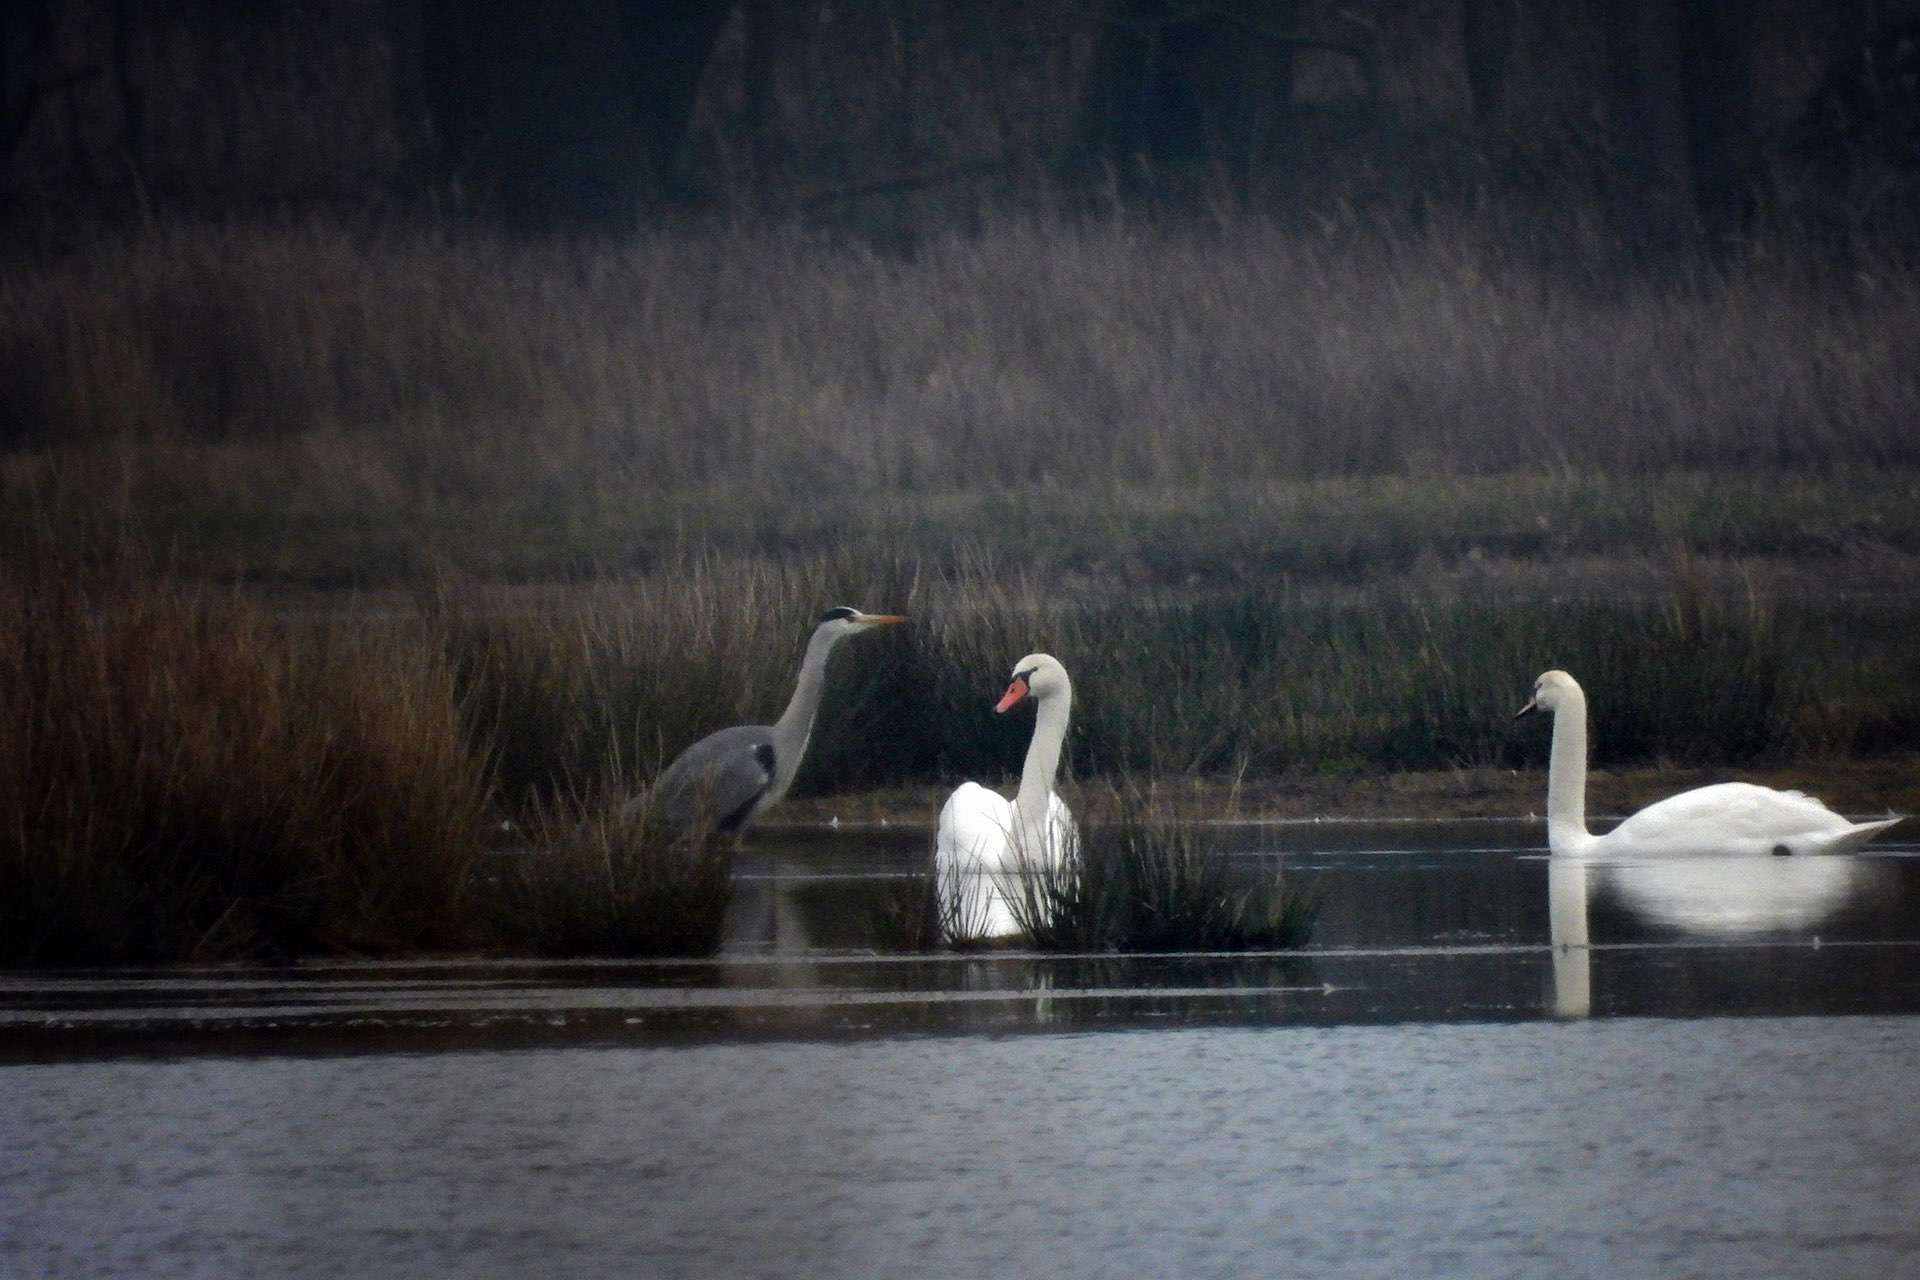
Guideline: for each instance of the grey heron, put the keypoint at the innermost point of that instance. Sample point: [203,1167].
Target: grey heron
[984,837]
[1727,818]
[728,778]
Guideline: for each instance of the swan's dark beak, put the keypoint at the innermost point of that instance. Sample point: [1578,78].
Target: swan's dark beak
[1015,691]
[1533,705]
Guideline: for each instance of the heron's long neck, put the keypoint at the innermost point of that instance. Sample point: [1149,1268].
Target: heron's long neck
[795,725]
[1043,760]
[1567,778]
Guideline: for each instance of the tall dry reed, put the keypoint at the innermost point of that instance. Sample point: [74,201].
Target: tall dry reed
[569,375]
[186,777]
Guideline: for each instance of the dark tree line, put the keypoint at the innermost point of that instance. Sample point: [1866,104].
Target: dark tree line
[580,114]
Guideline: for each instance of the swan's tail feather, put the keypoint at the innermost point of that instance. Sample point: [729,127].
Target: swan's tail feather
[1855,836]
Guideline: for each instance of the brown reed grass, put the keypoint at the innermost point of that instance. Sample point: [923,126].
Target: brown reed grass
[432,371]
[188,778]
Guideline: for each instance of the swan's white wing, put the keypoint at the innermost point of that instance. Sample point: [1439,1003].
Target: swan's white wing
[1727,817]
[971,848]
[975,825]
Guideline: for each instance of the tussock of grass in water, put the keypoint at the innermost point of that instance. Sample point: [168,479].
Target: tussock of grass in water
[1141,877]
[913,913]
[613,881]
[1180,892]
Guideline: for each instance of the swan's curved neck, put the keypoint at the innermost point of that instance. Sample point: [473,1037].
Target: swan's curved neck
[1567,777]
[795,725]
[1043,759]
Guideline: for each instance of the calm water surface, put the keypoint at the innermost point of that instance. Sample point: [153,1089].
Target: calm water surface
[1720,1082]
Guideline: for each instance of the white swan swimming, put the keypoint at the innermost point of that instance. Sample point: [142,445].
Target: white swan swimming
[1726,819]
[984,839]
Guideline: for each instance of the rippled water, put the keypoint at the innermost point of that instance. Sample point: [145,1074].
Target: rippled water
[1719,1083]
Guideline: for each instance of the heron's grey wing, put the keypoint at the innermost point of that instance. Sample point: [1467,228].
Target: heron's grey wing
[716,781]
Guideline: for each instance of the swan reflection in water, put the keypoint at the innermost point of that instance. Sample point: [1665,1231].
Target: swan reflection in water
[1739,898]
[1706,899]
[1567,935]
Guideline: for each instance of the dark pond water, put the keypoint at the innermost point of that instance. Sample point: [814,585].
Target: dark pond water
[1719,1082]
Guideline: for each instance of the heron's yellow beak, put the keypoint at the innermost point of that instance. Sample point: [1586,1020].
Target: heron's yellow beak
[1533,705]
[881,619]
[1015,691]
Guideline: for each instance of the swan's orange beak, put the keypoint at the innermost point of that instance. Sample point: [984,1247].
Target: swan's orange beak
[1533,705]
[1011,698]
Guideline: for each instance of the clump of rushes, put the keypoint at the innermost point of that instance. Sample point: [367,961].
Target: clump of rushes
[1144,877]
[604,879]
[186,777]
[913,913]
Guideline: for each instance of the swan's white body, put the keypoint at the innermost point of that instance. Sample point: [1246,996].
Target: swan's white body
[978,857]
[985,841]
[1728,819]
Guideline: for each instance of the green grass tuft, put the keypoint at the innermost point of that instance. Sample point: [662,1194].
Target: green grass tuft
[1144,877]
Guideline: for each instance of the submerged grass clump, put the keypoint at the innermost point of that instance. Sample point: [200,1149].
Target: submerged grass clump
[612,880]
[916,912]
[1179,891]
[1143,877]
